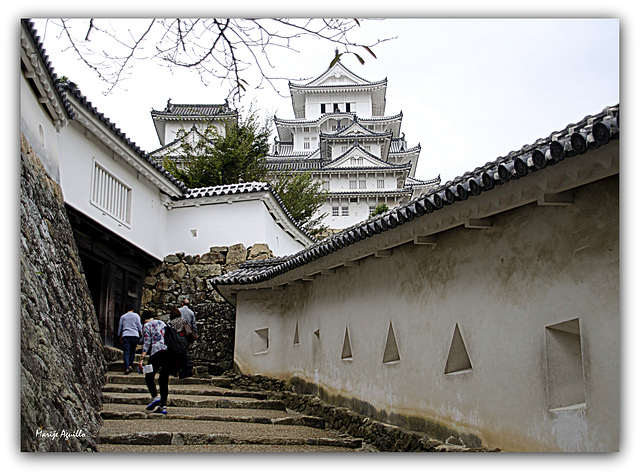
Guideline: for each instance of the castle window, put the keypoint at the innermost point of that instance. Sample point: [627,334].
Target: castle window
[110,195]
[335,211]
[381,183]
[565,370]
[345,211]
[362,184]
[261,341]
[353,184]
[323,108]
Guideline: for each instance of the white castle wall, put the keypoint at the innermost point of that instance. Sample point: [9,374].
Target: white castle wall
[532,386]
[193,230]
[78,153]
[39,130]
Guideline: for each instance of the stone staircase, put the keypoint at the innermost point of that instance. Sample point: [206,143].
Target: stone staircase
[205,415]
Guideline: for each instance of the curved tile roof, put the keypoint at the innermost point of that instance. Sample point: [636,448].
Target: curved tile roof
[194,110]
[329,69]
[70,88]
[30,27]
[574,140]
[241,188]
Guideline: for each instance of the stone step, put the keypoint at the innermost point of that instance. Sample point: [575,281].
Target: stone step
[201,411]
[118,367]
[166,431]
[195,401]
[257,418]
[138,379]
[193,389]
[225,448]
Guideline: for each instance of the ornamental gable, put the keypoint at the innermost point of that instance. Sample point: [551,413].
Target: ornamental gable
[356,157]
[335,76]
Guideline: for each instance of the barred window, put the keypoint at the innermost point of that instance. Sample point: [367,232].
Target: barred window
[110,195]
[353,184]
[345,211]
[381,183]
[335,211]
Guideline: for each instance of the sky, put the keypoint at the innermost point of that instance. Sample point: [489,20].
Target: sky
[470,90]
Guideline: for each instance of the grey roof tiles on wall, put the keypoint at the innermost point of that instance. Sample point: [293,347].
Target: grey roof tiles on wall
[576,139]
[30,27]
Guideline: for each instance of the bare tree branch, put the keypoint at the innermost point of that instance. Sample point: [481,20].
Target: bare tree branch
[226,49]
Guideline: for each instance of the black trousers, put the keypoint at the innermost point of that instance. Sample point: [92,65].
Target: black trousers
[160,362]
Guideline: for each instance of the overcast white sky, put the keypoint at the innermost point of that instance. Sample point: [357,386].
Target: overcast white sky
[470,90]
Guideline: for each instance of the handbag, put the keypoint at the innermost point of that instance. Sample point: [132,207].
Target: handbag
[188,333]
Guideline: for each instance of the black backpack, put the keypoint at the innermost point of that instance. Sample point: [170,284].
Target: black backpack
[177,347]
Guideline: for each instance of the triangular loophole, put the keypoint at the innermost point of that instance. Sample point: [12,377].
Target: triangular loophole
[458,359]
[391,353]
[346,346]
[296,336]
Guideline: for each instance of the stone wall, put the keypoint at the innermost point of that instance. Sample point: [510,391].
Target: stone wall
[182,276]
[383,436]
[62,365]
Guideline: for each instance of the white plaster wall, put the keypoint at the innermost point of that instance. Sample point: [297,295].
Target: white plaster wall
[223,224]
[313,101]
[148,215]
[39,131]
[172,128]
[537,266]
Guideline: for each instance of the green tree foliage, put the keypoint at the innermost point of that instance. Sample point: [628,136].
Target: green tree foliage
[210,159]
[381,208]
[303,197]
[213,158]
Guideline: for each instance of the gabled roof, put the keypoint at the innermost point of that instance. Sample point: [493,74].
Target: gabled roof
[173,148]
[337,71]
[130,145]
[571,145]
[327,82]
[191,112]
[369,160]
[356,129]
[38,69]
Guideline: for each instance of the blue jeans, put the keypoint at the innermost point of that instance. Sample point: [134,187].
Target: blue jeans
[129,344]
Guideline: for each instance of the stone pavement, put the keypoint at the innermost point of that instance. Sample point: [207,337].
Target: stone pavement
[205,415]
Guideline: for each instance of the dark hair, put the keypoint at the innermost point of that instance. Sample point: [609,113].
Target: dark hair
[175,313]
[129,306]
[147,315]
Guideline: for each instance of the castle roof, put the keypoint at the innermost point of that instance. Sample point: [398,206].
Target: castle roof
[194,111]
[43,76]
[237,189]
[337,78]
[554,156]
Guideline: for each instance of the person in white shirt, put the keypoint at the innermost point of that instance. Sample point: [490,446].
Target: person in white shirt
[189,316]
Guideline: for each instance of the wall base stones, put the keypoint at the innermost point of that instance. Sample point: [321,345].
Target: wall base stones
[182,276]
[62,365]
[383,436]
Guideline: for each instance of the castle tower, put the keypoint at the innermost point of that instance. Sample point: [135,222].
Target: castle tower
[341,135]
